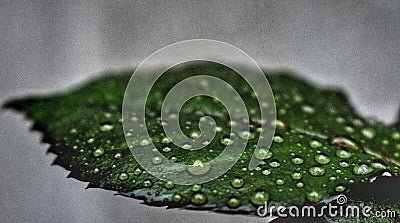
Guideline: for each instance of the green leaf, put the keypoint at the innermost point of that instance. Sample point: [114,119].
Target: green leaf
[321,144]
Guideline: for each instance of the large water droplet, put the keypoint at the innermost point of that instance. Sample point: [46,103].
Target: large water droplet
[98,152]
[395,135]
[226,141]
[316,171]
[279,182]
[322,159]
[137,172]
[165,140]
[198,168]
[378,164]
[362,169]
[106,127]
[169,185]
[300,184]
[144,142]
[274,163]
[199,199]
[233,202]
[314,196]
[297,160]
[259,198]
[315,144]
[368,133]
[237,182]
[266,172]
[261,153]
[156,160]
[308,109]
[123,176]
[343,154]
[278,139]
[296,175]
[177,198]
[340,188]
[147,183]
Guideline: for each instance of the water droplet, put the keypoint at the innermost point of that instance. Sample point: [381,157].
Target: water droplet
[237,182]
[368,133]
[98,152]
[196,187]
[300,184]
[218,129]
[315,144]
[118,155]
[278,139]
[349,129]
[199,199]
[90,140]
[261,153]
[226,141]
[186,146]
[123,176]
[308,109]
[314,196]
[106,127]
[344,163]
[194,135]
[165,140]
[259,198]
[343,154]
[279,124]
[147,183]
[340,120]
[96,170]
[316,171]
[246,135]
[378,164]
[362,169]
[169,185]
[395,135]
[137,172]
[266,172]
[198,168]
[279,182]
[177,198]
[386,174]
[156,160]
[144,142]
[73,131]
[174,159]
[233,202]
[332,178]
[296,175]
[345,142]
[322,159]
[274,163]
[297,160]
[340,188]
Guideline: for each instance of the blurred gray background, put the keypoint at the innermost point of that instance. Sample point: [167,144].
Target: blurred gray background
[48,46]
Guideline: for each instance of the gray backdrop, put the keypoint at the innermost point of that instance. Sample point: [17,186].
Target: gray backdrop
[48,46]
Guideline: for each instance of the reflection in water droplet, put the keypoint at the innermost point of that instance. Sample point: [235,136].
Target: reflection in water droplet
[233,202]
[98,152]
[368,133]
[316,171]
[147,183]
[362,169]
[226,141]
[237,182]
[296,175]
[322,159]
[106,127]
[345,142]
[297,160]
[123,176]
[340,188]
[314,196]
[169,185]
[274,163]
[199,199]
[266,172]
[378,164]
[199,168]
[156,160]
[144,142]
[315,144]
[259,198]
[343,154]
[279,182]
[261,153]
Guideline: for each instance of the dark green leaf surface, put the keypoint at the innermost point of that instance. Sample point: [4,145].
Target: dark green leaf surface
[321,144]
